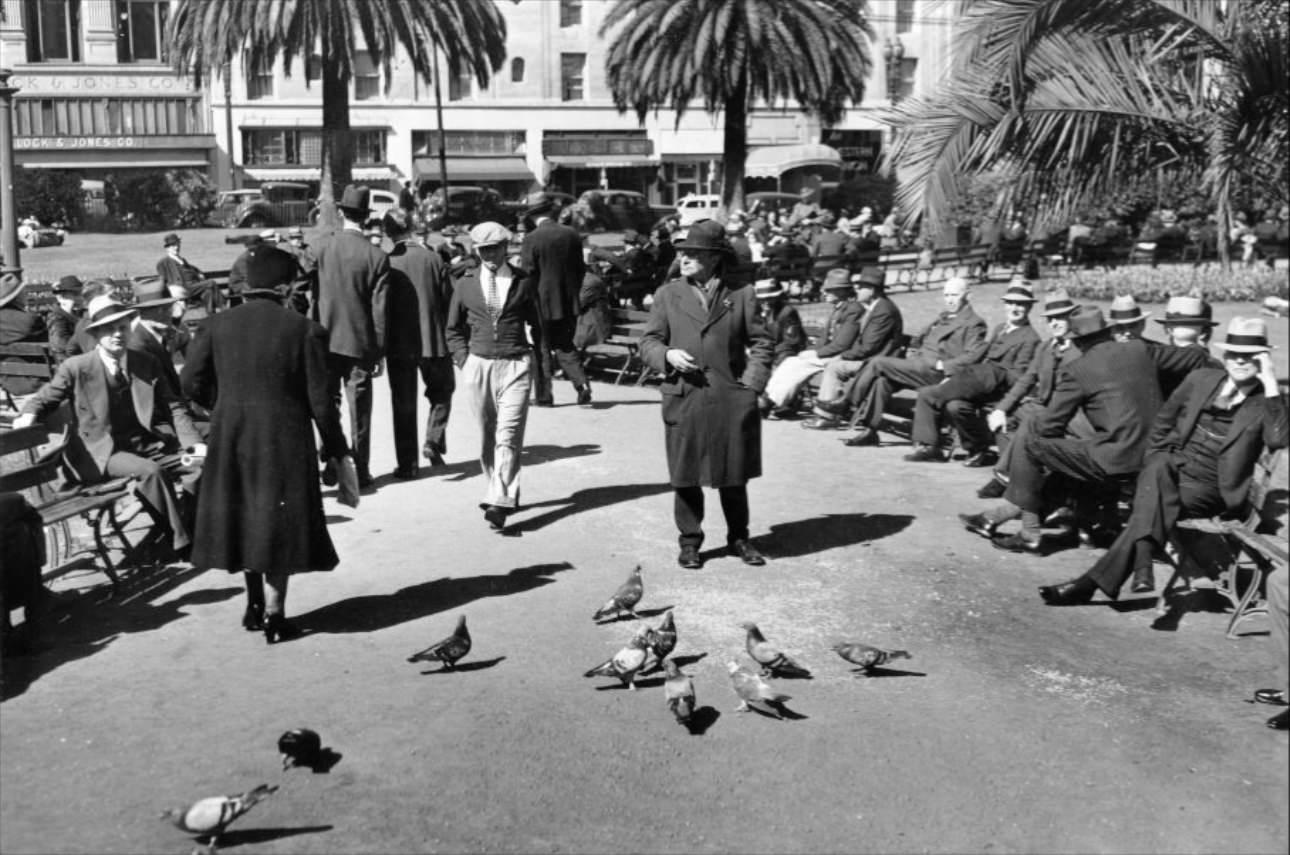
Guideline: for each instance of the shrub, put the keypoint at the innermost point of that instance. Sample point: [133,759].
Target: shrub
[195,195]
[1157,285]
[49,195]
[152,201]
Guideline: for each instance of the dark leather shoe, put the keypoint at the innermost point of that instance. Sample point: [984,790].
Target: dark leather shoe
[981,459]
[1143,582]
[1072,593]
[584,396]
[550,403]
[1280,721]
[868,436]
[746,552]
[689,558]
[1017,543]
[925,454]
[253,618]
[405,473]
[278,628]
[979,524]
[366,481]
[496,517]
[818,423]
[994,489]
[837,407]
[432,454]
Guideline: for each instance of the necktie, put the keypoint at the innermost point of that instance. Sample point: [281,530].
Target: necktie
[490,294]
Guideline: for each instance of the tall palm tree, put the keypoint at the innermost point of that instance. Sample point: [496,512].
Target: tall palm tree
[1074,99]
[209,34]
[732,54]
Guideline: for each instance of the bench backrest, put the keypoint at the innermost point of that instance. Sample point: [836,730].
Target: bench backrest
[627,323]
[29,470]
[25,360]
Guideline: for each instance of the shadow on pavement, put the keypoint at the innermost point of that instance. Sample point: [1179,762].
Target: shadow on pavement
[477,665]
[702,719]
[587,500]
[532,455]
[381,611]
[240,836]
[818,534]
[95,619]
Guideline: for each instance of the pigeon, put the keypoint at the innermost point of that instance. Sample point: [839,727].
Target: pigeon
[300,747]
[678,689]
[626,662]
[449,650]
[664,638]
[624,599]
[754,692]
[868,657]
[772,660]
[210,816]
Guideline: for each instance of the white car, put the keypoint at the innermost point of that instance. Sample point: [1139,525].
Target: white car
[695,207]
[381,201]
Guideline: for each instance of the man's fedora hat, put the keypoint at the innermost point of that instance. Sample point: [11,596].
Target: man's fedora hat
[269,269]
[150,294]
[1246,335]
[871,277]
[171,239]
[1087,321]
[1019,291]
[539,203]
[295,232]
[1188,311]
[768,289]
[68,285]
[104,310]
[706,234]
[11,284]
[356,199]
[837,279]
[1125,311]
[1058,303]
[269,235]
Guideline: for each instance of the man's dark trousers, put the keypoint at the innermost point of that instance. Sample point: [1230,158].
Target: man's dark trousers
[687,509]
[880,377]
[557,338]
[357,380]
[440,382]
[971,386]
[1041,456]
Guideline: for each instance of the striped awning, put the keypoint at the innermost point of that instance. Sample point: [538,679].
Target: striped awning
[772,161]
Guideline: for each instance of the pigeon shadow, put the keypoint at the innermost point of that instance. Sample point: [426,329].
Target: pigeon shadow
[588,500]
[702,719]
[886,672]
[786,675]
[830,531]
[641,614]
[689,659]
[477,665]
[655,612]
[327,760]
[790,715]
[373,612]
[333,519]
[242,836]
[650,683]
[608,405]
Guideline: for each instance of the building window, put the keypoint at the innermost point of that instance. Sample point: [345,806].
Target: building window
[367,78]
[259,78]
[425,143]
[83,117]
[140,30]
[904,15]
[908,75]
[570,13]
[458,85]
[53,30]
[517,70]
[292,147]
[572,66]
[313,68]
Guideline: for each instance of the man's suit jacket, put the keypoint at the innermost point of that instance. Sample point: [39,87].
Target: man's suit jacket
[84,379]
[1114,383]
[1259,423]
[470,329]
[142,341]
[416,306]
[880,331]
[1174,363]
[180,272]
[1012,351]
[842,329]
[353,276]
[955,340]
[1040,377]
[552,254]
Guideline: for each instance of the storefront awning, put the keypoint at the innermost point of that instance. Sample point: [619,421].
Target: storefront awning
[508,167]
[115,164]
[772,161]
[602,161]
[314,173]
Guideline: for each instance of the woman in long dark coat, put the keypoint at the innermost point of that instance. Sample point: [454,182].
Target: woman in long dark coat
[261,368]
[703,331]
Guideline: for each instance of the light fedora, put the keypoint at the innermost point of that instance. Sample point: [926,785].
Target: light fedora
[1188,311]
[1246,335]
[1125,310]
[104,310]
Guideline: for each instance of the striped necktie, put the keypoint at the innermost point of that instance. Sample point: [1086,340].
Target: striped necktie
[490,293]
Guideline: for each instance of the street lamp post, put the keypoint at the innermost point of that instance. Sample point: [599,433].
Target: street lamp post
[8,215]
[893,52]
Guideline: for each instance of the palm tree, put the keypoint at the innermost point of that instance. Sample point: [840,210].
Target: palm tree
[209,34]
[734,53]
[1074,99]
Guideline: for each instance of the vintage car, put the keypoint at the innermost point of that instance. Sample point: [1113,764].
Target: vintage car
[272,204]
[616,211]
[466,206]
[697,206]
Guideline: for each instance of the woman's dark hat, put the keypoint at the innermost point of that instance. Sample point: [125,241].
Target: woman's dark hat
[69,285]
[267,270]
[706,234]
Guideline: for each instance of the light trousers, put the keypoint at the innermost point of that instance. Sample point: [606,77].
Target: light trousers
[789,376]
[497,391]
[837,372]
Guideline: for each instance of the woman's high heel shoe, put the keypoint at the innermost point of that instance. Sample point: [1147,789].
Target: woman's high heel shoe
[277,628]
[253,618]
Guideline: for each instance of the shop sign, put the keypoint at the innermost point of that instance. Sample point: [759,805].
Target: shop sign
[65,143]
[107,83]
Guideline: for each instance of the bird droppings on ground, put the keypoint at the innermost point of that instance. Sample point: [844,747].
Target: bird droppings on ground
[1074,687]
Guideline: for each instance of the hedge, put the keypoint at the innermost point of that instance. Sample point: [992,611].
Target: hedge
[1158,284]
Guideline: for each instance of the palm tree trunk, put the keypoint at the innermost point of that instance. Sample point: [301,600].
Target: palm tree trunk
[337,141]
[735,149]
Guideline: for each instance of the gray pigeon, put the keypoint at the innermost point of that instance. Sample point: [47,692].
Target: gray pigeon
[663,643]
[210,816]
[868,657]
[624,599]
[772,660]
[678,689]
[754,692]
[626,662]
[449,650]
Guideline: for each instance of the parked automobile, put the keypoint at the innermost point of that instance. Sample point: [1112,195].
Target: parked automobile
[272,205]
[515,209]
[32,233]
[617,210]
[694,207]
[466,206]
[769,201]
[228,202]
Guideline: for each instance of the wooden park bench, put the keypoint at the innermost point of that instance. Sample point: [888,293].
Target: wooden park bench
[625,338]
[26,363]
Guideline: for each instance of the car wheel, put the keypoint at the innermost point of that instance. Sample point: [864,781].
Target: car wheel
[255,221]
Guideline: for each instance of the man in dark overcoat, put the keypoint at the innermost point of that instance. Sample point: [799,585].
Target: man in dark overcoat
[353,276]
[415,343]
[552,254]
[262,370]
[701,336]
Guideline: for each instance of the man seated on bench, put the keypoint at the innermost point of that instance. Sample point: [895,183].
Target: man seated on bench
[18,325]
[1008,353]
[1205,442]
[125,420]
[954,339]
[783,324]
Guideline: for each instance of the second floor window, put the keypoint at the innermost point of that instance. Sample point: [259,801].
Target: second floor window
[904,15]
[458,85]
[293,147]
[53,30]
[259,79]
[140,30]
[570,13]
[367,78]
[517,70]
[572,67]
[313,68]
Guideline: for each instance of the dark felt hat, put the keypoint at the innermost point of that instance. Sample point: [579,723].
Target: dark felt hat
[151,293]
[706,234]
[356,199]
[68,285]
[171,239]
[871,277]
[837,279]
[539,203]
[1086,321]
[267,270]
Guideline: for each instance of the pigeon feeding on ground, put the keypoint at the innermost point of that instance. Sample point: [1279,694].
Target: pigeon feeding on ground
[300,747]
[626,662]
[754,692]
[624,599]
[678,689]
[449,650]
[772,660]
[868,657]
[210,816]
[662,643]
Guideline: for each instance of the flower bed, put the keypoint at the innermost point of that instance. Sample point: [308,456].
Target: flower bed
[1158,284]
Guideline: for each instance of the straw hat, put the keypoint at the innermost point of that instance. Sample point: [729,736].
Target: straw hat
[1188,311]
[1125,310]
[1246,335]
[104,311]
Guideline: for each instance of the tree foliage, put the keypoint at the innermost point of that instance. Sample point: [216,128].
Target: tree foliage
[49,195]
